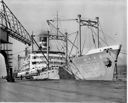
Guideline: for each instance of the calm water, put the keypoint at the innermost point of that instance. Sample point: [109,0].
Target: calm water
[63,91]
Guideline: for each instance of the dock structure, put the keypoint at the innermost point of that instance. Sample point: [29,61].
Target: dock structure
[10,26]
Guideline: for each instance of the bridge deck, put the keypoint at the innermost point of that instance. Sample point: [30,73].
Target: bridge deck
[63,91]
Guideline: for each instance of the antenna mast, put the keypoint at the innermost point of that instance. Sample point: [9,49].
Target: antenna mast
[97,18]
[57,24]
[79,20]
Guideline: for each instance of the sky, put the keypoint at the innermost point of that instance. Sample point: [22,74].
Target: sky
[34,13]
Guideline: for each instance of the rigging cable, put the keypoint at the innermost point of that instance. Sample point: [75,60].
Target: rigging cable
[100,38]
[72,45]
[123,53]
[64,57]
[106,34]
[83,46]
[103,33]
[92,36]
[49,23]
[73,33]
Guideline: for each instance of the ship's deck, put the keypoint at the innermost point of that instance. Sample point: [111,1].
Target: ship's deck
[63,91]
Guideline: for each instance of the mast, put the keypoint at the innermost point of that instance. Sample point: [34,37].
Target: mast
[48,50]
[57,24]
[32,36]
[66,40]
[79,20]
[97,18]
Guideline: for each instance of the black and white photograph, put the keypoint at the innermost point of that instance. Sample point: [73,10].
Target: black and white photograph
[63,51]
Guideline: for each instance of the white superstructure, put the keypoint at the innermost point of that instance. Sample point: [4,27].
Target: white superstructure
[35,65]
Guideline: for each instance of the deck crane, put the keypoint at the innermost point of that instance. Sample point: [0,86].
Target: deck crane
[64,37]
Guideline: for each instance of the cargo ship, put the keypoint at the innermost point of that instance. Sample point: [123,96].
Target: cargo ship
[99,63]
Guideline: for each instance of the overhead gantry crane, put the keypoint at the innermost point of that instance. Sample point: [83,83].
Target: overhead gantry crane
[10,26]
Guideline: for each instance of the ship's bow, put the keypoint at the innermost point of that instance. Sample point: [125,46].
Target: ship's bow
[97,64]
